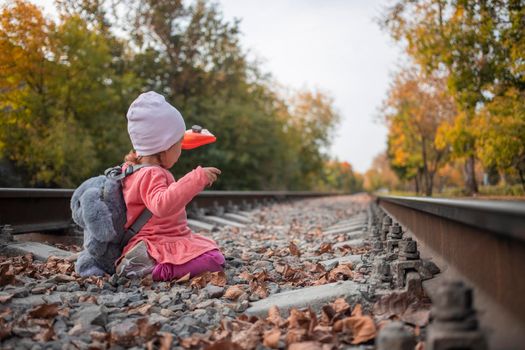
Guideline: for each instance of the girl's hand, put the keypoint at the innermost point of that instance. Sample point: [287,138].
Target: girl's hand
[211,174]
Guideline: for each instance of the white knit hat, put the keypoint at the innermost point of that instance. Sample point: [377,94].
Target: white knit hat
[153,124]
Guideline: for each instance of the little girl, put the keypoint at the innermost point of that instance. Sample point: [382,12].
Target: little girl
[165,246]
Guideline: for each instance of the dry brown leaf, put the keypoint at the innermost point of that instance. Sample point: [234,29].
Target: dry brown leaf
[88,299]
[166,339]
[63,278]
[245,275]
[343,271]
[45,335]
[295,335]
[201,280]
[233,292]
[147,330]
[5,329]
[224,345]
[190,342]
[279,268]
[147,280]
[184,278]
[403,306]
[249,338]
[143,309]
[7,275]
[325,248]
[293,249]
[271,338]
[218,279]
[274,316]
[306,345]
[340,305]
[99,336]
[5,298]
[362,328]
[261,291]
[358,310]
[298,319]
[44,311]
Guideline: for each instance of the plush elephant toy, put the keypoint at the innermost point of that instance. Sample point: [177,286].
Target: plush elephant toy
[98,207]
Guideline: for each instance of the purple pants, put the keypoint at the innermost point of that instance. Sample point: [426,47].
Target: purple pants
[211,261]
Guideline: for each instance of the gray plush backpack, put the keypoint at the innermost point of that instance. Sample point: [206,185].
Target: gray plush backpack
[98,207]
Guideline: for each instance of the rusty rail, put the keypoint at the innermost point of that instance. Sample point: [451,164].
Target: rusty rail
[481,242]
[37,210]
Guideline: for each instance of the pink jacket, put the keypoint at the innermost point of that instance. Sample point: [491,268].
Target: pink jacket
[166,234]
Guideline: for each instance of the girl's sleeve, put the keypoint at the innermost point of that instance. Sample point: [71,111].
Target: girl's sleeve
[163,199]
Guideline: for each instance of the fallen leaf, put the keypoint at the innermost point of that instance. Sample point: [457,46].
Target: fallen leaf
[7,276]
[405,307]
[184,278]
[293,249]
[306,345]
[143,309]
[340,272]
[224,345]
[295,335]
[325,248]
[88,299]
[358,310]
[245,275]
[5,297]
[249,338]
[45,335]
[218,279]
[362,328]
[147,329]
[166,339]
[340,305]
[271,338]
[201,280]
[5,329]
[44,311]
[298,319]
[100,336]
[233,292]
[63,278]
[274,316]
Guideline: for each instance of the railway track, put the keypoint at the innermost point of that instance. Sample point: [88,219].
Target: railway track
[316,260]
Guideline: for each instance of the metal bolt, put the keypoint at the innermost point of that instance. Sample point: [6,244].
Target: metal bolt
[396,231]
[394,336]
[408,249]
[377,246]
[452,301]
[7,233]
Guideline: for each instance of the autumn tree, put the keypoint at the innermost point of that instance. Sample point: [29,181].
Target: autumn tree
[67,84]
[475,44]
[415,108]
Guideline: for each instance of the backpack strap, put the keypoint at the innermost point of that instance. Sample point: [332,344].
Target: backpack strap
[117,174]
[137,225]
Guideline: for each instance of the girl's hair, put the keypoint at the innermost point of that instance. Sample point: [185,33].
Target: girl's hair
[133,158]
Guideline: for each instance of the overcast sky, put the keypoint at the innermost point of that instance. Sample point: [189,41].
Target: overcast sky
[333,45]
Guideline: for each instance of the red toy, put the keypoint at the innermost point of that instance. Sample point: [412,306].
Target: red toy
[196,137]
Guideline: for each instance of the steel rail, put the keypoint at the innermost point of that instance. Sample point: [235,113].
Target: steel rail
[36,210]
[481,242]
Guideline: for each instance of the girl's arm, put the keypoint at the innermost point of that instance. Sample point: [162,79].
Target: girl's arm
[163,199]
